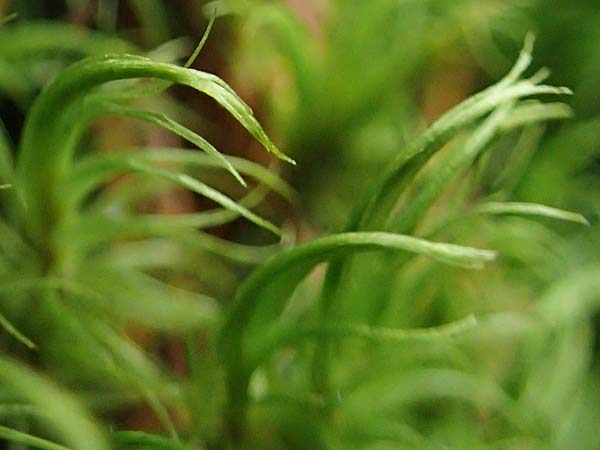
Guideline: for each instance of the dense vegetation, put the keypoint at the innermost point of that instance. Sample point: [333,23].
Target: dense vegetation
[406,258]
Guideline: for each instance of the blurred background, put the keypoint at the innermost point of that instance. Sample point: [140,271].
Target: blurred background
[342,86]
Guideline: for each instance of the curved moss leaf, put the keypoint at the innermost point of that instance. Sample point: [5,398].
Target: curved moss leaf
[167,123]
[452,165]
[14,332]
[287,333]
[530,209]
[203,189]
[93,171]
[45,151]
[269,287]
[27,439]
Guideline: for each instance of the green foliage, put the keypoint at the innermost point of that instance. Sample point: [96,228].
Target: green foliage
[57,255]
[60,411]
[453,309]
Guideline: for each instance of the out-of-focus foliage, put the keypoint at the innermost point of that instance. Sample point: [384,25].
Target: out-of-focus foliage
[452,303]
[348,79]
[438,46]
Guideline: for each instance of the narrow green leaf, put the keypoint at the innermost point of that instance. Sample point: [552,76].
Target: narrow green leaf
[405,218]
[12,330]
[4,20]
[200,45]
[375,207]
[519,159]
[161,412]
[93,171]
[530,209]
[533,112]
[45,154]
[269,287]
[167,123]
[244,254]
[308,255]
[27,439]
[102,224]
[288,333]
[203,189]
[127,361]
[409,161]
